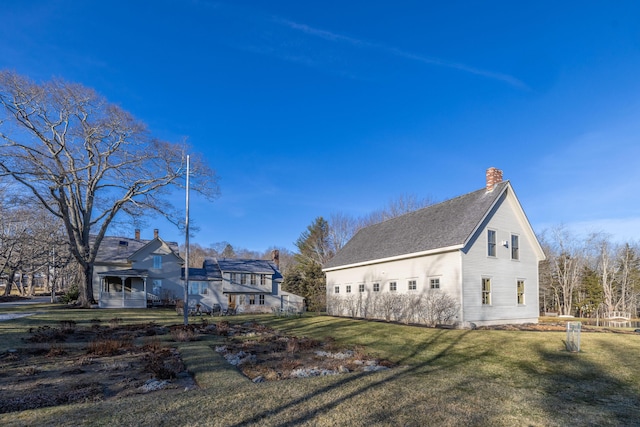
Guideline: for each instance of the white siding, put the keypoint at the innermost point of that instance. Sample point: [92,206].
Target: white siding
[503,271]
[445,266]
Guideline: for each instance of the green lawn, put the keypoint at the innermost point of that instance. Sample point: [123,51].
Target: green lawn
[444,377]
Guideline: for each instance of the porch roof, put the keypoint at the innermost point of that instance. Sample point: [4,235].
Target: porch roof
[131,272]
[244,289]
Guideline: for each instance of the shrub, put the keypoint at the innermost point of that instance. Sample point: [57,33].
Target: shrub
[183,334]
[109,347]
[72,294]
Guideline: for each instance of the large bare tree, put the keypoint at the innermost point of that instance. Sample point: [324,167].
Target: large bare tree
[87,160]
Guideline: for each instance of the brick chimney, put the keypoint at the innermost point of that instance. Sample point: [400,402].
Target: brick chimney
[494,176]
[137,234]
[275,257]
[155,233]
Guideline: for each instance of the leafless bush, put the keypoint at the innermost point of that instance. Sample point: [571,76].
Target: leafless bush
[46,334]
[29,371]
[164,363]
[222,328]
[67,326]
[439,308]
[183,333]
[109,346]
[292,345]
[56,350]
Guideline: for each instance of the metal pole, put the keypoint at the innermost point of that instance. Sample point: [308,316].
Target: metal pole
[186,258]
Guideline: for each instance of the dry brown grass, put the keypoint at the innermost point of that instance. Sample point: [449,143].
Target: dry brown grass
[443,378]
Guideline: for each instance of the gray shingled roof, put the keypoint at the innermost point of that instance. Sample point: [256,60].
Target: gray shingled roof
[443,225]
[213,268]
[209,271]
[247,266]
[119,249]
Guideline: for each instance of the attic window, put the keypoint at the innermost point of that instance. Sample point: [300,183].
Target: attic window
[123,243]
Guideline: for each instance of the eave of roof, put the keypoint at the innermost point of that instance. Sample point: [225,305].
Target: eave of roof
[396,258]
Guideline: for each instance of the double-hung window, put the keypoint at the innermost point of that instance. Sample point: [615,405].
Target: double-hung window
[393,286]
[361,287]
[515,247]
[157,262]
[376,287]
[412,285]
[520,291]
[434,283]
[486,291]
[348,289]
[491,243]
[336,289]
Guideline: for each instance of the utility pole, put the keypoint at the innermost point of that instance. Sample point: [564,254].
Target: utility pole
[186,258]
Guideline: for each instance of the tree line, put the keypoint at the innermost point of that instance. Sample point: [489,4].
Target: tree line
[588,276]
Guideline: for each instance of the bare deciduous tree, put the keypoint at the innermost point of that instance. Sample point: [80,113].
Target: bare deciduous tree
[86,161]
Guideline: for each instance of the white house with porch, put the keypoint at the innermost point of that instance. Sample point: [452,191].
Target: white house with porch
[136,273]
[132,272]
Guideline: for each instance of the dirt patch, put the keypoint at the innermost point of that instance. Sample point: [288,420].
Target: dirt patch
[67,364]
[264,354]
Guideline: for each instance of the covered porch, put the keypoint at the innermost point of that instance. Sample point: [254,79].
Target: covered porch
[123,289]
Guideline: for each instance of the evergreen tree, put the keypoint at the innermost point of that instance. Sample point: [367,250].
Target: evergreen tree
[306,277]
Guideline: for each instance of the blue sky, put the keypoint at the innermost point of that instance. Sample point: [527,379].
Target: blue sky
[311,108]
